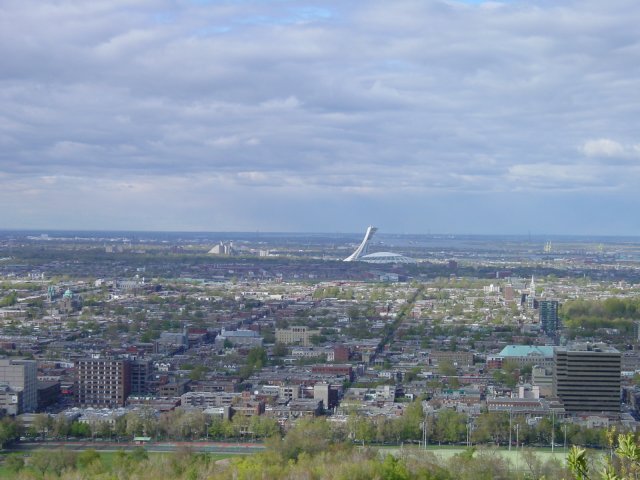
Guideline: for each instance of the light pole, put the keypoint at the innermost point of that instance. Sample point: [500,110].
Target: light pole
[565,437]
[424,432]
[468,434]
[517,445]
[553,429]
[510,430]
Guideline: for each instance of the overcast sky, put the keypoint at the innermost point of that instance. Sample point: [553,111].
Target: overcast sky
[415,116]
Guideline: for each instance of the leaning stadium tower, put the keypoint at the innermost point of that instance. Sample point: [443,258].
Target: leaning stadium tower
[364,246]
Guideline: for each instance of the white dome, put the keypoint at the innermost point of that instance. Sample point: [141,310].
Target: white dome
[386,257]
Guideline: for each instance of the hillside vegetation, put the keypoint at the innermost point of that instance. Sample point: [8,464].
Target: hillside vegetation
[308,451]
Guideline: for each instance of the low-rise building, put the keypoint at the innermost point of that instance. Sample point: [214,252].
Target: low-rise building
[239,337]
[524,355]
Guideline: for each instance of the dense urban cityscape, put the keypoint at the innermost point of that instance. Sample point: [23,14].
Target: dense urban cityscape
[335,240]
[460,340]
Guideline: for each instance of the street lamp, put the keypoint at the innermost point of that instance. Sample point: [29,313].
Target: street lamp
[553,430]
[517,442]
[510,430]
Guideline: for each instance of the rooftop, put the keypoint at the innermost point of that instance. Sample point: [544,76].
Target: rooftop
[589,347]
[386,257]
[526,351]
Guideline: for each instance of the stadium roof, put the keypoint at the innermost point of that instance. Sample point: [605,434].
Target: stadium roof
[526,351]
[386,257]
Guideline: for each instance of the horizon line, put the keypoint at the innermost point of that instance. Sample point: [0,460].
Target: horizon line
[280,232]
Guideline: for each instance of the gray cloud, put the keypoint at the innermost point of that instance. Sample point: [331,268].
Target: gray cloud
[282,105]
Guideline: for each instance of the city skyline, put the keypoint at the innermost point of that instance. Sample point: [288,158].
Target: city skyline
[439,116]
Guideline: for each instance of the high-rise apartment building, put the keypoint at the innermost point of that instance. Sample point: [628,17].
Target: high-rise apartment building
[636,331]
[21,375]
[103,382]
[141,369]
[586,378]
[548,314]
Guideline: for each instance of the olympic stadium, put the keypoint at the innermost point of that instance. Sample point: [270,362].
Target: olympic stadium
[361,254]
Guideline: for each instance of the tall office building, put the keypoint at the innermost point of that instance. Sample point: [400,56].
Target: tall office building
[548,312]
[103,382]
[21,375]
[141,369]
[586,378]
[636,331]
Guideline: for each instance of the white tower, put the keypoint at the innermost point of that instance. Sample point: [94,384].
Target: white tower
[364,246]
[531,298]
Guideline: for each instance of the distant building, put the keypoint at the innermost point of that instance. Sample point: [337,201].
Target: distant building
[361,253]
[247,406]
[524,355]
[338,370]
[386,257]
[70,302]
[103,382]
[21,376]
[10,400]
[340,353]
[223,248]
[289,392]
[295,335]
[311,352]
[587,378]
[532,302]
[240,337]
[527,391]
[491,288]
[543,378]
[174,389]
[636,331]
[208,399]
[141,370]
[129,284]
[457,358]
[48,394]
[508,293]
[174,339]
[548,313]
[522,406]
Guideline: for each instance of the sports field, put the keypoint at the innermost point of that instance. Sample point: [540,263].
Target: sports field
[514,456]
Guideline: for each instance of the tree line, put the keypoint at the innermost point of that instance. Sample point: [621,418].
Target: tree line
[177,424]
[586,316]
[312,449]
[446,426]
[316,448]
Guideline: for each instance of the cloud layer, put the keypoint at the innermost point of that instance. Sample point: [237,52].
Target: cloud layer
[280,115]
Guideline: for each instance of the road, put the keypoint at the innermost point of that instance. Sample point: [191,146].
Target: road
[203,447]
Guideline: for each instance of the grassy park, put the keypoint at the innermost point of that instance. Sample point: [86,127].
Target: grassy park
[101,461]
